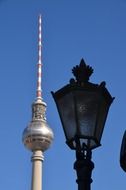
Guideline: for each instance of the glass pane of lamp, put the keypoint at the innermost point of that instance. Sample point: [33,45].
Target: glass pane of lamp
[67,114]
[101,118]
[87,107]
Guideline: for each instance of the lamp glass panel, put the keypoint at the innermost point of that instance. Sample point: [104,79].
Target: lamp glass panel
[67,115]
[101,118]
[87,107]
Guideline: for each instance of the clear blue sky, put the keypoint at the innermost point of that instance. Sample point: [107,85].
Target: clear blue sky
[92,29]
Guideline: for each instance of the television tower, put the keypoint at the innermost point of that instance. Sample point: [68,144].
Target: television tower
[37,136]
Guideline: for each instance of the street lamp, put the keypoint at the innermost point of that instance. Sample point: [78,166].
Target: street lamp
[83,109]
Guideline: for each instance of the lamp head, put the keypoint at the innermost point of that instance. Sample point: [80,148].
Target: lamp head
[83,108]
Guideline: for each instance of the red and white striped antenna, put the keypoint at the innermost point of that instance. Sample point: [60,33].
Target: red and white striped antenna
[39,65]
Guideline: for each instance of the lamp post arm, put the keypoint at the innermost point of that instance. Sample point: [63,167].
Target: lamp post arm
[83,166]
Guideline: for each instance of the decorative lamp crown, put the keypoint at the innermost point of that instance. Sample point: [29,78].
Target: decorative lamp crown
[82,72]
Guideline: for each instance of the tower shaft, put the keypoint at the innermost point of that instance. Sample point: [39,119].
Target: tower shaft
[37,161]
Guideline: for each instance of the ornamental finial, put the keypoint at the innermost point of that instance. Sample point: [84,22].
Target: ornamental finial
[82,72]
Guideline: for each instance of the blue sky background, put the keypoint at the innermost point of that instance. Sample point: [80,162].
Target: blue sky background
[72,29]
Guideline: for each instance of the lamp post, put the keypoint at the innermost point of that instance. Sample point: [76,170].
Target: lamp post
[83,109]
[123,153]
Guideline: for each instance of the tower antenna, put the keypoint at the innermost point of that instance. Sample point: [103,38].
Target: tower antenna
[39,65]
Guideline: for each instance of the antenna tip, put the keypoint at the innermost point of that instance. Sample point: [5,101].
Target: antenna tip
[40,16]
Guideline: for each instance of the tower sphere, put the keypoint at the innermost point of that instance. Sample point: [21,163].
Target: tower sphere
[38,135]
